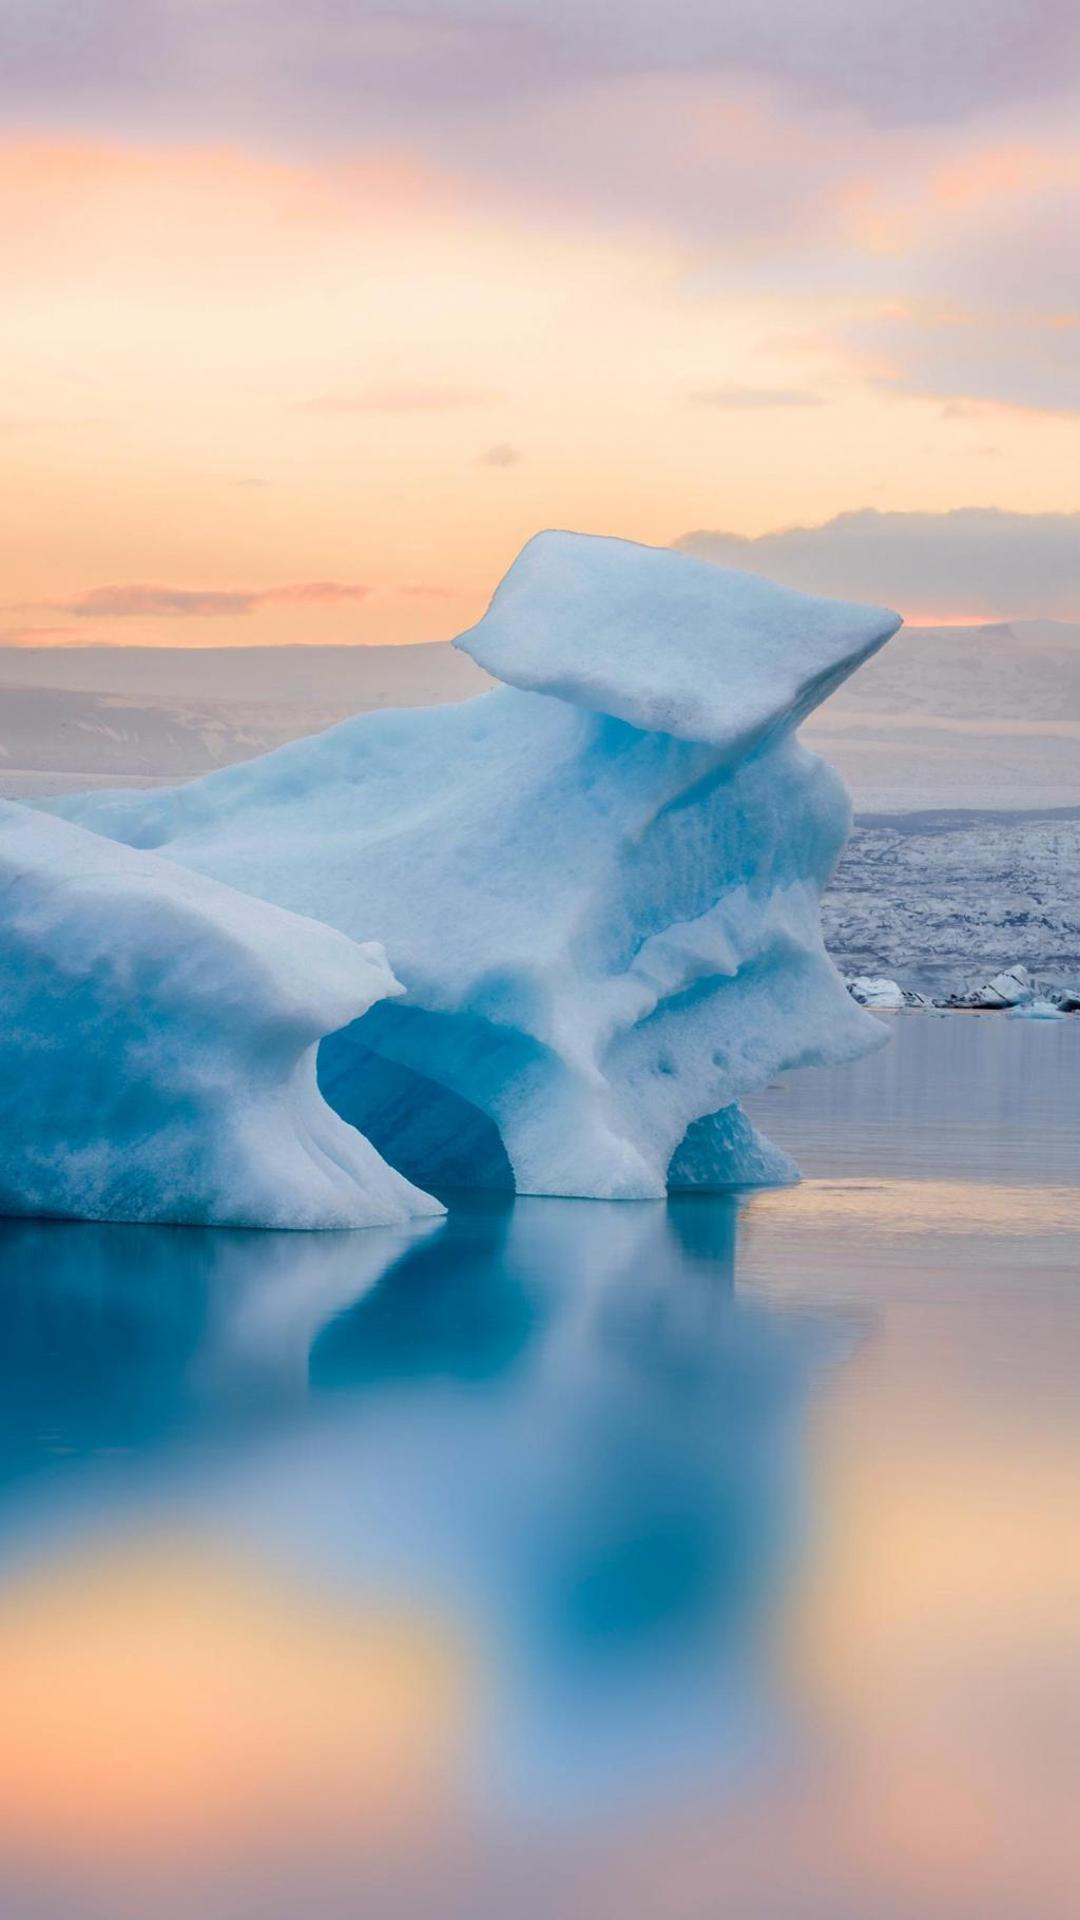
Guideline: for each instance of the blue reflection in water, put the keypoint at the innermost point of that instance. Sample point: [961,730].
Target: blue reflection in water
[554,1422]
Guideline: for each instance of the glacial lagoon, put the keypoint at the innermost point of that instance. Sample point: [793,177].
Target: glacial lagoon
[566,1558]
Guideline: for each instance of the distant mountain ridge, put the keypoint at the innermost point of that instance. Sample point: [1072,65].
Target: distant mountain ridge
[314,676]
[73,715]
[960,717]
[1003,670]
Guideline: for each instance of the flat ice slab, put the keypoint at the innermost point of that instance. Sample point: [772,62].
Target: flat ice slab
[667,642]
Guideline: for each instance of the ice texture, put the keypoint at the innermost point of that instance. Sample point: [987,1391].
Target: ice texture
[158,1040]
[599,886]
[872,990]
[1013,987]
[671,644]
[944,900]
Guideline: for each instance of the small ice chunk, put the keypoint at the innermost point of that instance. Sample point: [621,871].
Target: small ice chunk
[1010,988]
[871,991]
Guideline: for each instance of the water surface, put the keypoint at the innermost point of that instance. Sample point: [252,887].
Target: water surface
[654,1561]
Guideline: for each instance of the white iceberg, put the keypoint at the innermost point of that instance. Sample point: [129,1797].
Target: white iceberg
[1013,987]
[158,1039]
[599,885]
[871,991]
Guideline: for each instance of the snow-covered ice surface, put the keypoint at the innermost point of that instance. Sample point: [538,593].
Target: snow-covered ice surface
[606,934]
[158,1038]
[978,728]
[668,643]
[941,900]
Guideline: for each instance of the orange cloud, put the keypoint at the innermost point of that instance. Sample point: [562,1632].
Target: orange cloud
[35,636]
[974,178]
[185,317]
[309,593]
[738,399]
[403,399]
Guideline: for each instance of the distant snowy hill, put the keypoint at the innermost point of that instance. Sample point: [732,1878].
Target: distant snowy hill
[87,716]
[960,717]
[1028,670]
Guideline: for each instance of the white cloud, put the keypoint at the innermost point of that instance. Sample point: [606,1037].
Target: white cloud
[1030,360]
[973,561]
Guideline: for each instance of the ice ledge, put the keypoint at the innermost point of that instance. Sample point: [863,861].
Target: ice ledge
[667,642]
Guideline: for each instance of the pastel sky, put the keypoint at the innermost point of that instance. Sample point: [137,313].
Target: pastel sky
[313,314]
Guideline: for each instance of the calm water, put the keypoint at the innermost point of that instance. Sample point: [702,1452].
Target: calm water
[567,1559]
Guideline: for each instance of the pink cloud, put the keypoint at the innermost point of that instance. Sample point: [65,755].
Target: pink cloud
[172,603]
[309,593]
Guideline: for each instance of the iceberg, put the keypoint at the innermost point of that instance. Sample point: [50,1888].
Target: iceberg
[1013,987]
[598,883]
[872,990]
[158,1041]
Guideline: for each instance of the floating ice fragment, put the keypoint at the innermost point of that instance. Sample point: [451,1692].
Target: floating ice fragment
[871,991]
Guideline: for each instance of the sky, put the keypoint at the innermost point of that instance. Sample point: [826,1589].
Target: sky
[313,315]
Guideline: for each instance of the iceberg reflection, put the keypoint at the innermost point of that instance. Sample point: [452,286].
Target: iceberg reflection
[551,1432]
[565,1421]
[122,1337]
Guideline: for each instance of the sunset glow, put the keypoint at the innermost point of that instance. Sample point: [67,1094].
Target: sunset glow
[262,358]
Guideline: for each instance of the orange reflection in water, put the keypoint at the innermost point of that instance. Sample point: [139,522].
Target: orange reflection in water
[166,1697]
[924,1206]
[938,1633]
